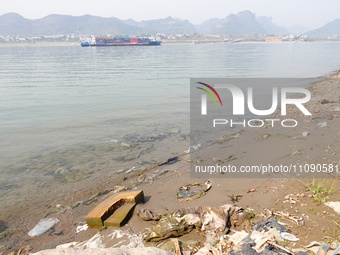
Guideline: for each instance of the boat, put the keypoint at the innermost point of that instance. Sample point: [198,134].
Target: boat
[103,42]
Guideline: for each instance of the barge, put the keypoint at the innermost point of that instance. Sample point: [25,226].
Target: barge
[103,42]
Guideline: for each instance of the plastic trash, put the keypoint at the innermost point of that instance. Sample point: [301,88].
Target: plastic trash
[322,124]
[170,161]
[93,243]
[146,214]
[193,191]
[337,250]
[334,205]
[81,228]
[269,223]
[289,237]
[42,226]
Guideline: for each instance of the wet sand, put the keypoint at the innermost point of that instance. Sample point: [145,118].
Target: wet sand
[315,221]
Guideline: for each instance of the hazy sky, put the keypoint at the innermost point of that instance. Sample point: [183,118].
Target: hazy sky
[310,13]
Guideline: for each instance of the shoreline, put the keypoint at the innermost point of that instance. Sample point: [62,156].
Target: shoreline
[39,44]
[321,145]
[165,42]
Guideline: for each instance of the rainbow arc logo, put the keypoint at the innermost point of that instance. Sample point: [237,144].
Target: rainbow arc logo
[211,92]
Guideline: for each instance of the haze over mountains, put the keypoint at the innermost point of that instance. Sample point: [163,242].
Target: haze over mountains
[242,23]
[331,28]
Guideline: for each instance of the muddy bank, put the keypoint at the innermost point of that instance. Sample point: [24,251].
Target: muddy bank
[297,204]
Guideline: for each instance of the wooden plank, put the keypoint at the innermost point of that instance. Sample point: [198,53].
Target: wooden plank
[106,208]
[117,219]
[177,247]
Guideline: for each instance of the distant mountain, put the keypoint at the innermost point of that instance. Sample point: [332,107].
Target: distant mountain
[14,24]
[267,24]
[209,26]
[87,24]
[240,24]
[168,25]
[330,29]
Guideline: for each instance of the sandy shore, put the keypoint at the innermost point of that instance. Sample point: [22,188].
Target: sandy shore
[305,214]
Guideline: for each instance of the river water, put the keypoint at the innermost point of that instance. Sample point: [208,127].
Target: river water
[69,114]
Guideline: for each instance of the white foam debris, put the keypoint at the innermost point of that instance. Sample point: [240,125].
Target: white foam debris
[82,227]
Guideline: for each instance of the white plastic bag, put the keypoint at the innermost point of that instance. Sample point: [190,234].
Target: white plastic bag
[42,226]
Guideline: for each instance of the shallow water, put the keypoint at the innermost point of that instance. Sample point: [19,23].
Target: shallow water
[70,114]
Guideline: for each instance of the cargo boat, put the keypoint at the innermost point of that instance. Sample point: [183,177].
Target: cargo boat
[102,42]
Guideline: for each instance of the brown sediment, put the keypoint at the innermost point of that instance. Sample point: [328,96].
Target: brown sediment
[304,213]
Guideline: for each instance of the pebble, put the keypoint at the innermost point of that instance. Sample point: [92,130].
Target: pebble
[217,161]
[141,178]
[265,136]
[322,124]
[174,131]
[120,171]
[125,145]
[305,133]
[337,109]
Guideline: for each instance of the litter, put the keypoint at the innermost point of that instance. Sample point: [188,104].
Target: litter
[215,223]
[337,250]
[235,198]
[334,205]
[171,226]
[268,224]
[211,220]
[296,219]
[93,242]
[170,161]
[82,227]
[106,251]
[289,237]
[193,191]
[42,226]
[146,214]
[127,239]
[194,147]
[115,210]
